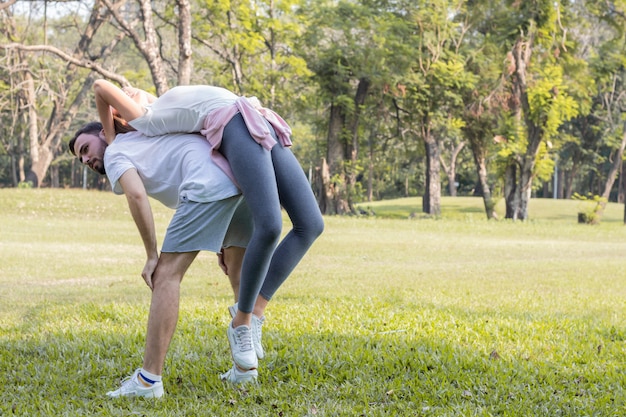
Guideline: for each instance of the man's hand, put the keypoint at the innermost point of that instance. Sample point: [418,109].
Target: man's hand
[148,271]
[221,263]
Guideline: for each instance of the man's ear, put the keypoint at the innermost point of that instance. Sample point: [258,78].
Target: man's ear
[101,135]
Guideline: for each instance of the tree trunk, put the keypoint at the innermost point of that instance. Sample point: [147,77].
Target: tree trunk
[450,170]
[147,45]
[336,144]
[353,148]
[370,166]
[560,190]
[534,132]
[481,171]
[150,48]
[34,176]
[622,184]
[610,180]
[324,187]
[335,179]
[526,182]
[184,42]
[431,203]
[568,180]
[511,192]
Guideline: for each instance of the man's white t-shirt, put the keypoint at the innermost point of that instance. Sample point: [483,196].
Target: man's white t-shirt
[171,167]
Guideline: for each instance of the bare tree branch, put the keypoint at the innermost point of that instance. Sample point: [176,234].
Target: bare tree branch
[70,59]
[4,5]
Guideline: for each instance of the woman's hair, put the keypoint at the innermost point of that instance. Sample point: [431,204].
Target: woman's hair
[120,124]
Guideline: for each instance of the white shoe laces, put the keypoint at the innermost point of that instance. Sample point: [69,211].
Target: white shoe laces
[129,384]
[244,338]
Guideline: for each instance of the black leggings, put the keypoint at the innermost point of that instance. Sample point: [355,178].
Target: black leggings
[269,179]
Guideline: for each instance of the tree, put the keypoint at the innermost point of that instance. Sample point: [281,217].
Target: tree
[54,91]
[434,84]
[539,99]
[146,42]
[609,68]
[349,62]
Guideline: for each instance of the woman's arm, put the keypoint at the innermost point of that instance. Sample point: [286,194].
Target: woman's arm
[139,96]
[108,95]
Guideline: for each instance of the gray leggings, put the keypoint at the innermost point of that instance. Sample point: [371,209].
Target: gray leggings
[269,179]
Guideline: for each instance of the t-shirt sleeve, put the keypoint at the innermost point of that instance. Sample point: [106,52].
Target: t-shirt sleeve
[116,164]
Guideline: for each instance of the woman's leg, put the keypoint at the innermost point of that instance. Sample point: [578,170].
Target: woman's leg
[253,170]
[300,204]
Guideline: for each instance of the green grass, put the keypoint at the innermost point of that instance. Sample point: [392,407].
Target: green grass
[455,316]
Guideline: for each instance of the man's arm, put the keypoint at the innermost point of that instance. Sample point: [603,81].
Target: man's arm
[141,211]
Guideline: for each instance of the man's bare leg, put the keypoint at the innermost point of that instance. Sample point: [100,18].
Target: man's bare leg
[232,258]
[164,307]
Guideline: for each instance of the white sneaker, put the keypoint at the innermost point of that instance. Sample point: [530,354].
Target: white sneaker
[233,310]
[131,387]
[235,376]
[241,348]
[257,331]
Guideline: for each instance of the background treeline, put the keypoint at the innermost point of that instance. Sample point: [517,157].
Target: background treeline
[505,99]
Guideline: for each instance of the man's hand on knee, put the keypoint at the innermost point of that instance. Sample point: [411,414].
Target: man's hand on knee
[148,270]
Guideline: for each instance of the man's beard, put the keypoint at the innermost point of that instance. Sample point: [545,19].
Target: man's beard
[98,166]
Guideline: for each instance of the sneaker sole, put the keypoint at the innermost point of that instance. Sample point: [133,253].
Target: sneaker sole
[250,377]
[152,394]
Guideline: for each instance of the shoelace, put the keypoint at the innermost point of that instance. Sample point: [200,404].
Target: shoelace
[244,339]
[127,383]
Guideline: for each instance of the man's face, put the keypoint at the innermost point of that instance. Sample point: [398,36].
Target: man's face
[89,148]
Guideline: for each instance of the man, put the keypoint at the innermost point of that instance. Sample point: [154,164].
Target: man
[176,170]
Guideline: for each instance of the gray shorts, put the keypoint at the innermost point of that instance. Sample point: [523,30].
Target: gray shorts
[209,226]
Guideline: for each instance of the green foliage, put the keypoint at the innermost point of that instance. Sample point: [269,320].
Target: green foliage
[590,210]
[432,66]
[550,105]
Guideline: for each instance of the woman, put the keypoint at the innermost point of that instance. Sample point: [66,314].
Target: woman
[254,142]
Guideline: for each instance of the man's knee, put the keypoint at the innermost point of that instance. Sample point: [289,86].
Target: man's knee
[172,267]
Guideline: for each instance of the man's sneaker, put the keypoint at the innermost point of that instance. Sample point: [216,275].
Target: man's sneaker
[131,387]
[235,376]
[241,348]
[233,310]
[257,331]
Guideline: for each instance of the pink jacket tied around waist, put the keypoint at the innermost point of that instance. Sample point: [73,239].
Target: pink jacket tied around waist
[254,115]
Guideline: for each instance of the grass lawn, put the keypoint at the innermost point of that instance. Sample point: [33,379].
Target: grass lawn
[455,316]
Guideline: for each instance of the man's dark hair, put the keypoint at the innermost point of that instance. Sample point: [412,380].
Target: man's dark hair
[93,128]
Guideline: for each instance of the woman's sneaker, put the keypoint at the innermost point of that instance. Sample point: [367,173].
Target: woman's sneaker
[235,376]
[131,387]
[240,339]
[257,331]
